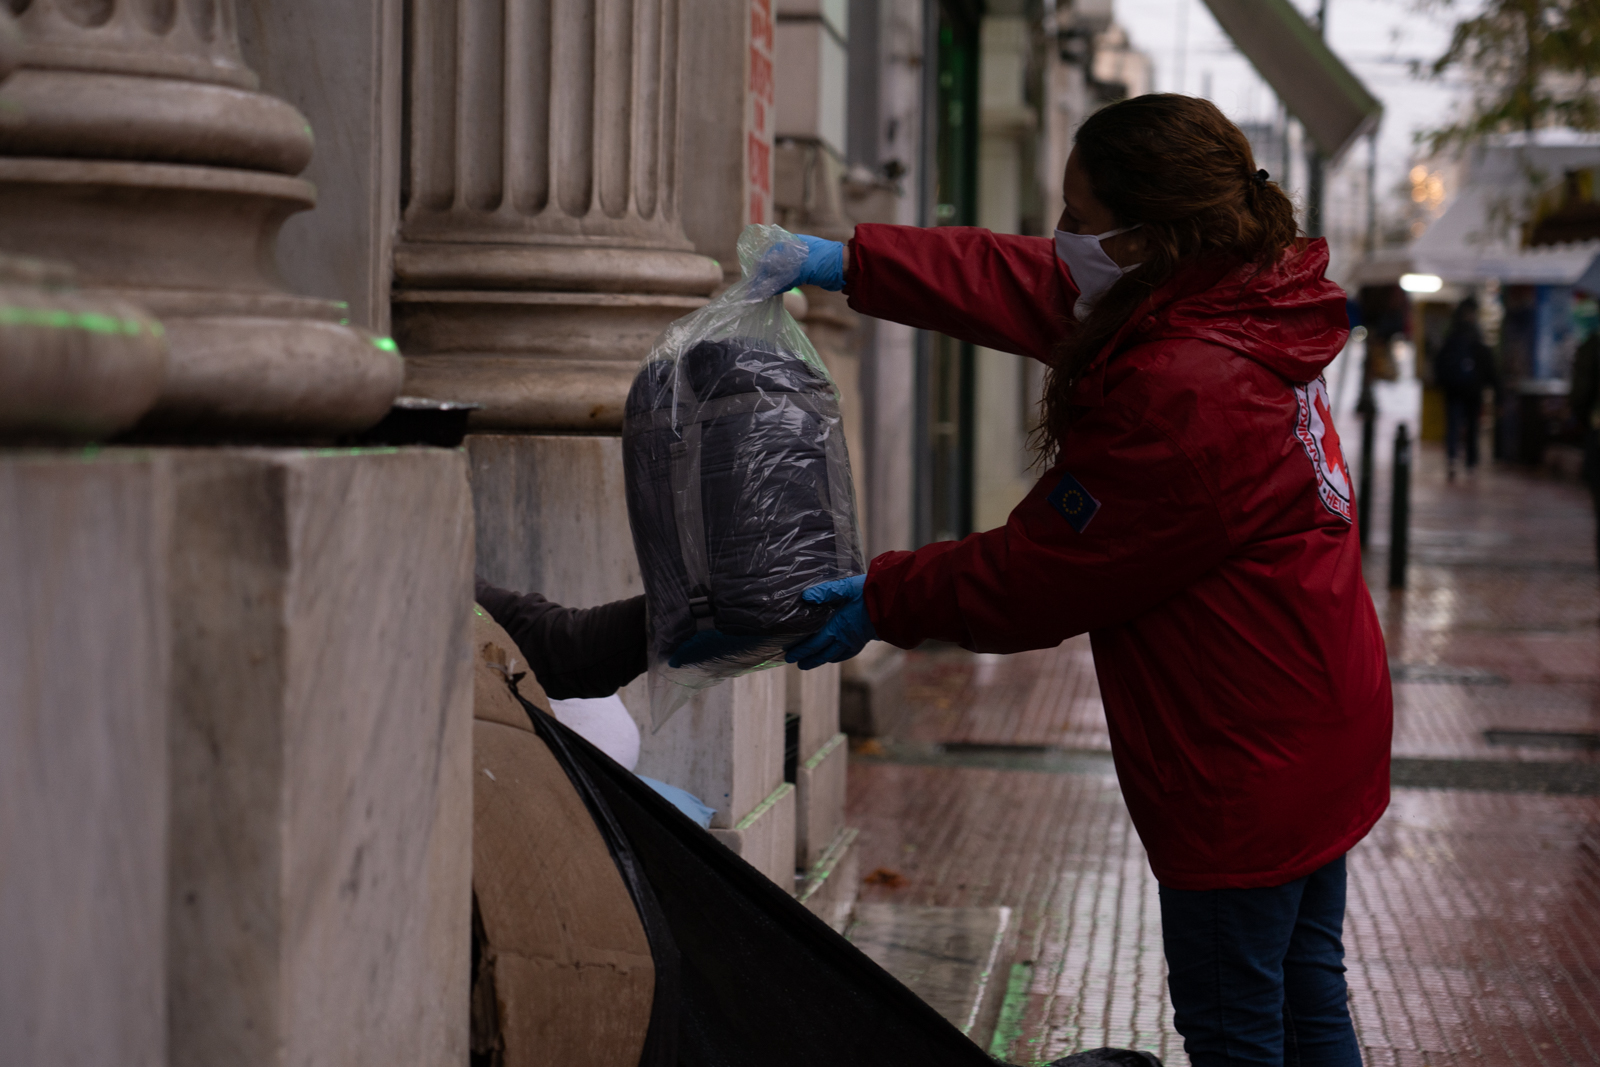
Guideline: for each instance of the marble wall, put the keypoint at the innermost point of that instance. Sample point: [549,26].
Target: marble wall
[84,665]
[320,757]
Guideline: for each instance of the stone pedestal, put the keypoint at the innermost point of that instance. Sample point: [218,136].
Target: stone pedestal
[321,758]
[821,763]
[726,747]
[138,150]
[824,848]
[542,248]
[872,692]
[822,757]
[83,758]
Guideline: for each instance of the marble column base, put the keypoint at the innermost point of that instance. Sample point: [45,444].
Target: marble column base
[535,360]
[72,367]
[192,245]
[104,115]
[83,758]
[548,336]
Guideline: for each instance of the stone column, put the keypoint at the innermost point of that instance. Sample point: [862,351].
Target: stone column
[1007,124]
[728,132]
[542,248]
[140,152]
[71,367]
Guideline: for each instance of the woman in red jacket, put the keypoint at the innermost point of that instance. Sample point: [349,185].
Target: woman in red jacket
[1196,521]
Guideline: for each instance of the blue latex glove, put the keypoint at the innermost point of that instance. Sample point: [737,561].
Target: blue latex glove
[824,265]
[846,634]
[781,269]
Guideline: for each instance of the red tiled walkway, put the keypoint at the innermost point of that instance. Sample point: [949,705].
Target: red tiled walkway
[1473,932]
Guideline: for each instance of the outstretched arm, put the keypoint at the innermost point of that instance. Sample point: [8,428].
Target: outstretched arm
[997,290]
[573,652]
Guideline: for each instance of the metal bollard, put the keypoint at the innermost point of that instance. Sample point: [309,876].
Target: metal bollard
[1400,509]
[1369,417]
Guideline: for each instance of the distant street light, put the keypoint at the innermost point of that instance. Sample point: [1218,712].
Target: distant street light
[1421,283]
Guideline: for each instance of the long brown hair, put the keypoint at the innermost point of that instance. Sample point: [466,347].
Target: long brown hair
[1176,165]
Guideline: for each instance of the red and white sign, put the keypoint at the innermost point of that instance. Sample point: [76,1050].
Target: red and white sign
[1314,429]
[759,97]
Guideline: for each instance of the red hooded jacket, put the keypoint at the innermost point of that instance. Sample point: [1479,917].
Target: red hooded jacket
[1198,525]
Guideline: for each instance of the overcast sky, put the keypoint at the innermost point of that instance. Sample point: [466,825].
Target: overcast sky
[1375,38]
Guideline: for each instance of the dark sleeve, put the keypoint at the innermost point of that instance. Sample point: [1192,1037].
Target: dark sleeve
[574,652]
[1483,361]
[1490,376]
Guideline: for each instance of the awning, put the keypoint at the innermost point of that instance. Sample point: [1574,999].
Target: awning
[1313,83]
[1479,236]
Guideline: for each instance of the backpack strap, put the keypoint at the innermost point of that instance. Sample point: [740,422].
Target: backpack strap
[839,491]
[688,510]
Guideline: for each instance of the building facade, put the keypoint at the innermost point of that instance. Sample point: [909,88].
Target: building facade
[235,691]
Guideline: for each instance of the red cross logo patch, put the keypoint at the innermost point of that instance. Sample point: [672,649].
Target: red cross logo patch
[1315,432]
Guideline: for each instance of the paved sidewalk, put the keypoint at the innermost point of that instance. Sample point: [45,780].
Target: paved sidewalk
[1473,932]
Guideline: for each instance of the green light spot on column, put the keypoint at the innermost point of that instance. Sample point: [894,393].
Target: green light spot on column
[386,343]
[88,321]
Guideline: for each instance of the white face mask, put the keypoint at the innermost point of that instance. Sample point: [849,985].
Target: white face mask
[1092,270]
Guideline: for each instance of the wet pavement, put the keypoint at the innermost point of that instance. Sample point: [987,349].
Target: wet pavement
[1473,929]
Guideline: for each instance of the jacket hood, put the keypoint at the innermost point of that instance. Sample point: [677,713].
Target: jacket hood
[1289,318]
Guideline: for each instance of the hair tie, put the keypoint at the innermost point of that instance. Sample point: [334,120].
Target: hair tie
[1260,177]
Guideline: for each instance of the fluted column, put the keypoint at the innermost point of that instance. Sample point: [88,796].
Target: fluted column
[542,249]
[141,152]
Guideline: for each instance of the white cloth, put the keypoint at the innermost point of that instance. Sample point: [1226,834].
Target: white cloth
[604,723]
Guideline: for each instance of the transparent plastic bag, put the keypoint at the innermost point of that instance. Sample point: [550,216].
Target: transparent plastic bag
[738,482]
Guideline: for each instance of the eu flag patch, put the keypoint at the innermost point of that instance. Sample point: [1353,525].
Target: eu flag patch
[1074,502]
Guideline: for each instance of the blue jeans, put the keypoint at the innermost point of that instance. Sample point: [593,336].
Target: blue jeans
[1257,975]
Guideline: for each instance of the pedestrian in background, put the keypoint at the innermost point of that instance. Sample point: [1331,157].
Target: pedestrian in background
[1463,369]
[1585,400]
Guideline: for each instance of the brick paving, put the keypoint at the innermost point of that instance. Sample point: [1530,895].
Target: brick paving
[1473,932]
